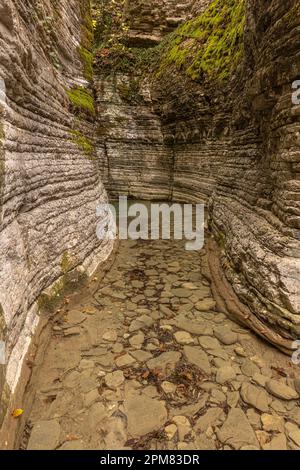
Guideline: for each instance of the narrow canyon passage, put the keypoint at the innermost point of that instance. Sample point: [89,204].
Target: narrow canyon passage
[148,362]
[137,345]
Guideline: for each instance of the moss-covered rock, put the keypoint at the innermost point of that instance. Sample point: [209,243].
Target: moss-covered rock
[82,101]
[210,45]
[83,143]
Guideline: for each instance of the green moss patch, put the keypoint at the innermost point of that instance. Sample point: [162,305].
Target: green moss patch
[82,100]
[87,61]
[211,44]
[83,143]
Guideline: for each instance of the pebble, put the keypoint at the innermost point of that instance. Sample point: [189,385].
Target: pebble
[225,374]
[115,379]
[124,361]
[110,336]
[171,431]
[182,337]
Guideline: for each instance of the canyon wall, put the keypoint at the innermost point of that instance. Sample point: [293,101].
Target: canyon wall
[50,180]
[207,115]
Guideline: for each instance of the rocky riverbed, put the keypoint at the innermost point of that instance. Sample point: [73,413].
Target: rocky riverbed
[148,362]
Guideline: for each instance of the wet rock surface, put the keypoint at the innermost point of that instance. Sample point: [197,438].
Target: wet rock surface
[170,383]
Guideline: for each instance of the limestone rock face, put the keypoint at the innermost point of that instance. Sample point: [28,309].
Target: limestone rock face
[49,186]
[232,144]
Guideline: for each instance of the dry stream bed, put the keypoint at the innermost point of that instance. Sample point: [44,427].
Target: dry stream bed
[147,362]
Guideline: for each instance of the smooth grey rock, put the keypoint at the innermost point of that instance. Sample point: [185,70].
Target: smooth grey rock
[144,415]
[225,335]
[280,390]
[213,417]
[195,355]
[225,374]
[115,379]
[183,337]
[45,435]
[237,431]
[125,361]
[255,396]
[207,342]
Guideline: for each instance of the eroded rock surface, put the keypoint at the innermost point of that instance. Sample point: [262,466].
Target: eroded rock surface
[223,132]
[49,179]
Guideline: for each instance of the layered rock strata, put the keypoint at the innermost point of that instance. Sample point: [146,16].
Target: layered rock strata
[226,133]
[49,176]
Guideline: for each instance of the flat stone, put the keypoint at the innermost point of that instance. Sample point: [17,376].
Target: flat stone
[168,387]
[213,417]
[105,361]
[195,355]
[277,443]
[115,379]
[225,374]
[204,443]
[91,397]
[137,284]
[240,351]
[205,305]
[272,422]
[225,335]
[278,406]
[45,435]
[189,410]
[181,293]
[195,328]
[249,369]
[297,384]
[219,352]
[125,361]
[171,431]
[254,418]
[97,413]
[137,340]
[76,317]
[166,311]
[280,390]
[72,379]
[183,426]
[165,361]
[294,415]
[74,331]
[237,431]
[256,397]
[217,396]
[142,322]
[207,342]
[118,348]
[182,337]
[233,399]
[110,336]
[86,364]
[295,436]
[141,356]
[260,379]
[144,415]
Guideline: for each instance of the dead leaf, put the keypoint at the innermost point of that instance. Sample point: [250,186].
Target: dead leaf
[17,412]
[146,374]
